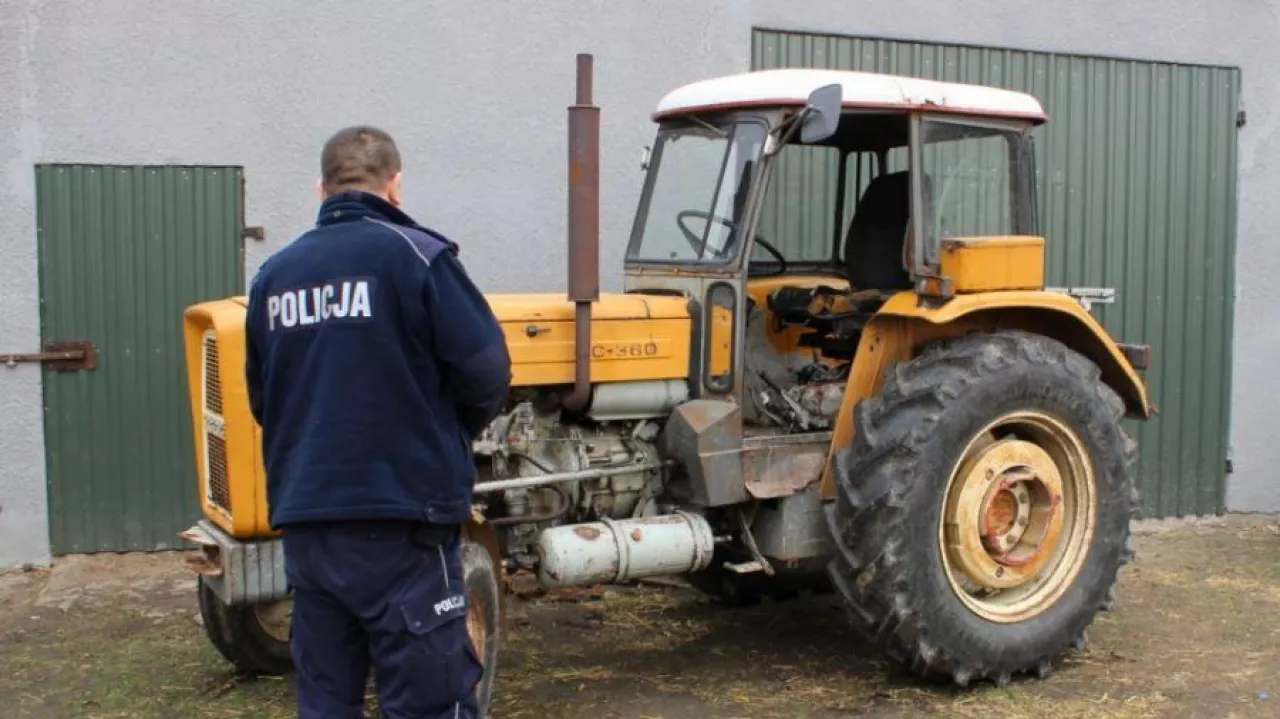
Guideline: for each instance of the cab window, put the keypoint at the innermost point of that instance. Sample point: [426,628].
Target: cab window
[799,213]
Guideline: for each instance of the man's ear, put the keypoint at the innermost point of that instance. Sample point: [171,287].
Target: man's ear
[320,189]
[394,188]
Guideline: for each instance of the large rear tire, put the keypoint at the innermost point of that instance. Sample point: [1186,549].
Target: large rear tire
[983,509]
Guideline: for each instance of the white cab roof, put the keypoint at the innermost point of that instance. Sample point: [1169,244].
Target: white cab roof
[791,87]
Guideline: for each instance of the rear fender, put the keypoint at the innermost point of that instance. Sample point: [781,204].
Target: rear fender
[902,328]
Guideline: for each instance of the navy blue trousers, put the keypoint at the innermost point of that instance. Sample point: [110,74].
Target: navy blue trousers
[369,595]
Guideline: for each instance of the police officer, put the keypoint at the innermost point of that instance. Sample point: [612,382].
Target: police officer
[372,363]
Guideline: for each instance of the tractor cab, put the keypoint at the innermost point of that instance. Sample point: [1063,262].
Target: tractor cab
[796,203]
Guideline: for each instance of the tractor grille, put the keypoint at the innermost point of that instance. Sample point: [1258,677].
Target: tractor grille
[219,491]
[217,486]
[212,377]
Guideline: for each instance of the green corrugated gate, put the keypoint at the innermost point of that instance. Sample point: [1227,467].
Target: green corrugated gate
[123,250]
[1137,191]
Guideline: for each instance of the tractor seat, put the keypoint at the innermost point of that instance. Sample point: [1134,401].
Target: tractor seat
[874,252]
[874,256]
[874,247]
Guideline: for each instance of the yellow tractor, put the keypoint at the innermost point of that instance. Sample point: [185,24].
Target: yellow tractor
[879,398]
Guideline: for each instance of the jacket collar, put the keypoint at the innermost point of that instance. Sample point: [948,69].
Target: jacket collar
[353,205]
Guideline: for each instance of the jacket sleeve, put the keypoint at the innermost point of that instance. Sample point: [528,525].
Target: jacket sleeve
[468,342]
[252,352]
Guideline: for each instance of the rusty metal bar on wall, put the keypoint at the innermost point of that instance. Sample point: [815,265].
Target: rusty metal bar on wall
[58,356]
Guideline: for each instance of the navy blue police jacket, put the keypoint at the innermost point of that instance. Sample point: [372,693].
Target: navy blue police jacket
[372,362]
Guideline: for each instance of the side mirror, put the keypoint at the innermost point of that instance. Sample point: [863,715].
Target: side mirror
[822,114]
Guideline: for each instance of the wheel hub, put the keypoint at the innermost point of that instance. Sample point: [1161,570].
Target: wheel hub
[1017,513]
[1003,522]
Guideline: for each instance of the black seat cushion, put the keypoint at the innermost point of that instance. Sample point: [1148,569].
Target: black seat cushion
[873,246]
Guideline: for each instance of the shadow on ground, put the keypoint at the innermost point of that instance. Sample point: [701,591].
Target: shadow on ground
[1195,634]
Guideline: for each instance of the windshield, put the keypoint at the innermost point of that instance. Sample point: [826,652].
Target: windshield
[698,181]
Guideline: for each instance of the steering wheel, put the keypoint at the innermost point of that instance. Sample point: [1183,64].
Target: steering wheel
[695,241]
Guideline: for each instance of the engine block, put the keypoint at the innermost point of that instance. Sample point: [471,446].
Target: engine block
[528,443]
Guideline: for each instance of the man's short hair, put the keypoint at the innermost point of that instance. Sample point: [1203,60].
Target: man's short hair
[359,158]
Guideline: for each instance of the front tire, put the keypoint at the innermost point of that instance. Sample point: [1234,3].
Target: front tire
[253,637]
[483,616]
[983,509]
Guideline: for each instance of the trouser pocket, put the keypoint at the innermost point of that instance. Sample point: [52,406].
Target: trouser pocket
[424,666]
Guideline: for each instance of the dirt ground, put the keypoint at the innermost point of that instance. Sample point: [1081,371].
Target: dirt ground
[1196,633]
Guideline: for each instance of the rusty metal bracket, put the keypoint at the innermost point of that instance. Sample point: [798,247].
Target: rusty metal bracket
[1087,296]
[750,540]
[73,356]
[776,466]
[934,291]
[238,572]
[1138,356]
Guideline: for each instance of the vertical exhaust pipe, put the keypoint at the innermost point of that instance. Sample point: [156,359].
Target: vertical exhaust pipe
[584,227]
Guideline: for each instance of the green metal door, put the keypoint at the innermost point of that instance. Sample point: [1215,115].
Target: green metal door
[1137,192]
[123,250]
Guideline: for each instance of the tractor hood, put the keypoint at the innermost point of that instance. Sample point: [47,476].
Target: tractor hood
[633,337]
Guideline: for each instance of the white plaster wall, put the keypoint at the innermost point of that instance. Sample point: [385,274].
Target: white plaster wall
[475,93]
[24,525]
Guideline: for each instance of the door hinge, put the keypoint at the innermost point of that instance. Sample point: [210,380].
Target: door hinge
[255,233]
[1231,467]
[74,356]
[1241,118]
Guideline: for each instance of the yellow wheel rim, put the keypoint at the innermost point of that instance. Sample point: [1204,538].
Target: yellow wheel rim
[1018,517]
[275,618]
[476,628]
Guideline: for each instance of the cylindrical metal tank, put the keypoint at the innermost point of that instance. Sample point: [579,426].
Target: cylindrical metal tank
[616,401]
[620,550]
